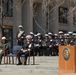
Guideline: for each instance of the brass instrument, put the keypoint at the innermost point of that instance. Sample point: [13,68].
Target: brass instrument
[19,35]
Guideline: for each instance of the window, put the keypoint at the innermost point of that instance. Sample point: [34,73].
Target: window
[63,14]
[8,8]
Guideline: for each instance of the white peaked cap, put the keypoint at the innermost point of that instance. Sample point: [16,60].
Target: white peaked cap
[60,32]
[35,35]
[3,38]
[56,34]
[38,34]
[65,34]
[74,33]
[70,32]
[46,34]
[20,26]
[31,33]
[49,33]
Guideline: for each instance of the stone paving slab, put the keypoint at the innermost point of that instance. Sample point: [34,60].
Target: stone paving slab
[23,73]
[30,69]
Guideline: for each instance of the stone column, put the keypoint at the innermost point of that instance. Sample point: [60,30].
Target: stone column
[70,20]
[19,12]
[39,20]
[17,16]
[55,19]
[27,16]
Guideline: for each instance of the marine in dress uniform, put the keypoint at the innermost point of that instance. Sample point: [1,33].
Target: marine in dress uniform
[61,38]
[35,44]
[51,44]
[56,43]
[74,35]
[39,47]
[46,45]
[20,36]
[71,38]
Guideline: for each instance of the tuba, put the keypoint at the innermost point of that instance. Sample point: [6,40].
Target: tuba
[20,34]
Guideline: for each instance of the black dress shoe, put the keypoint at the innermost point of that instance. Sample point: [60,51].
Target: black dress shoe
[24,63]
[19,64]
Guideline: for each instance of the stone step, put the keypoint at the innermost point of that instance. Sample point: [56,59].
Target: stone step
[29,69]
[44,59]
[48,67]
[43,66]
[24,73]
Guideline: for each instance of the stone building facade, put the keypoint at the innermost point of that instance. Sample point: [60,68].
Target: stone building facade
[37,16]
